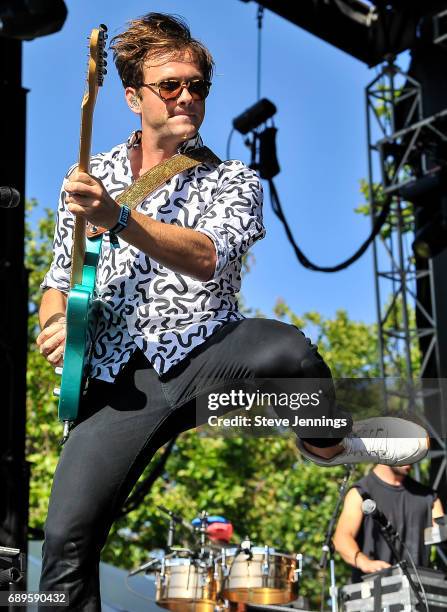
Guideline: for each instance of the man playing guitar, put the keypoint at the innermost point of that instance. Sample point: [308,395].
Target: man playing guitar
[167,283]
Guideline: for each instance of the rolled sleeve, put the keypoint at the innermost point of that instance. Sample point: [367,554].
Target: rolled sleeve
[233,220]
[58,276]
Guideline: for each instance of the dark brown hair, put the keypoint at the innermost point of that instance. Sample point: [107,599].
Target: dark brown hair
[156,35]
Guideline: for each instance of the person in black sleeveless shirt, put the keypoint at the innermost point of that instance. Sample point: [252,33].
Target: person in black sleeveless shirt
[409,506]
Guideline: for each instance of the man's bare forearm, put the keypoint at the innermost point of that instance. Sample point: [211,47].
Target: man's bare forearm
[52,307]
[347,548]
[181,249]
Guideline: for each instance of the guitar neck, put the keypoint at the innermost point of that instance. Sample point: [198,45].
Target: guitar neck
[95,75]
[85,142]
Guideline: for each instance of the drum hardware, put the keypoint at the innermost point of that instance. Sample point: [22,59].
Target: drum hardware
[211,578]
[265,565]
[175,550]
[216,569]
[259,575]
[163,570]
[299,569]
[173,520]
[203,525]
[145,567]
[245,547]
[225,569]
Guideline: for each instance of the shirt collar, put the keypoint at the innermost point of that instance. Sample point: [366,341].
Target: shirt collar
[195,142]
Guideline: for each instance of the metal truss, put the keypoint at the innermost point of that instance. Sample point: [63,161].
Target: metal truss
[402,147]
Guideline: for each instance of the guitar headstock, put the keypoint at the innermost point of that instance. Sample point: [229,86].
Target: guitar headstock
[97,63]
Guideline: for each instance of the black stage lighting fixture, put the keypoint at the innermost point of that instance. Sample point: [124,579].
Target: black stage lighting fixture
[431,238]
[28,19]
[423,189]
[268,162]
[251,118]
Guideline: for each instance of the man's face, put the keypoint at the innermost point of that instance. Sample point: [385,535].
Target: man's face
[401,470]
[170,121]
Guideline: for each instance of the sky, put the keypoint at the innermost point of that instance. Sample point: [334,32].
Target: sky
[321,141]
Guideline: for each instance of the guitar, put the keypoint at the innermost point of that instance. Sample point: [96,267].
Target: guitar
[81,312]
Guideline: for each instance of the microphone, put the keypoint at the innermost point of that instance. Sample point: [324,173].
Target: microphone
[9,197]
[251,118]
[369,508]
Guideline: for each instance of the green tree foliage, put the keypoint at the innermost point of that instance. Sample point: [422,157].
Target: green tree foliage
[43,429]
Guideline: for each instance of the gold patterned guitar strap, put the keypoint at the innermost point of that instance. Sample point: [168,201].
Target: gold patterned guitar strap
[156,177]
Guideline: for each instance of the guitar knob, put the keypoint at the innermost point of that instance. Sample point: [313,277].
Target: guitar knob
[57,391]
[58,370]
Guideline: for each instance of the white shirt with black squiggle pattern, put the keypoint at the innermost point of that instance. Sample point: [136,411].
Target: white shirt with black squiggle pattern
[143,303]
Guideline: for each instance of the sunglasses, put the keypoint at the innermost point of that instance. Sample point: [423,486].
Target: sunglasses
[171,89]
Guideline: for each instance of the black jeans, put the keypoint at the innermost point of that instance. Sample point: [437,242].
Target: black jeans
[122,425]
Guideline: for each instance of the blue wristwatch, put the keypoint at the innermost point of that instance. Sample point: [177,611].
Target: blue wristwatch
[123,220]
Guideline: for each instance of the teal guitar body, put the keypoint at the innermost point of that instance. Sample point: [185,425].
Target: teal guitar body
[81,324]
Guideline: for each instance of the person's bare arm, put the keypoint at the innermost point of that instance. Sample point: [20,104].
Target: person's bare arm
[346,532]
[51,340]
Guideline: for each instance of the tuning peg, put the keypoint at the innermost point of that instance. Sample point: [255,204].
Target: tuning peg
[58,370]
[57,391]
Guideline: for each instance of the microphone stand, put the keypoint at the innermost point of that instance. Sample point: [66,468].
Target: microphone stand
[328,547]
[390,534]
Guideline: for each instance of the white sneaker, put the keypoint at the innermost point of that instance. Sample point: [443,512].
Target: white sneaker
[377,440]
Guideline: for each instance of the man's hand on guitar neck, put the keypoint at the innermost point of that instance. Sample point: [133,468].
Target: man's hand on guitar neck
[87,197]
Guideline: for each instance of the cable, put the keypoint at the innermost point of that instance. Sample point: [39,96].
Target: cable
[230,136]
[407,550]
[378,224]
[260,17]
